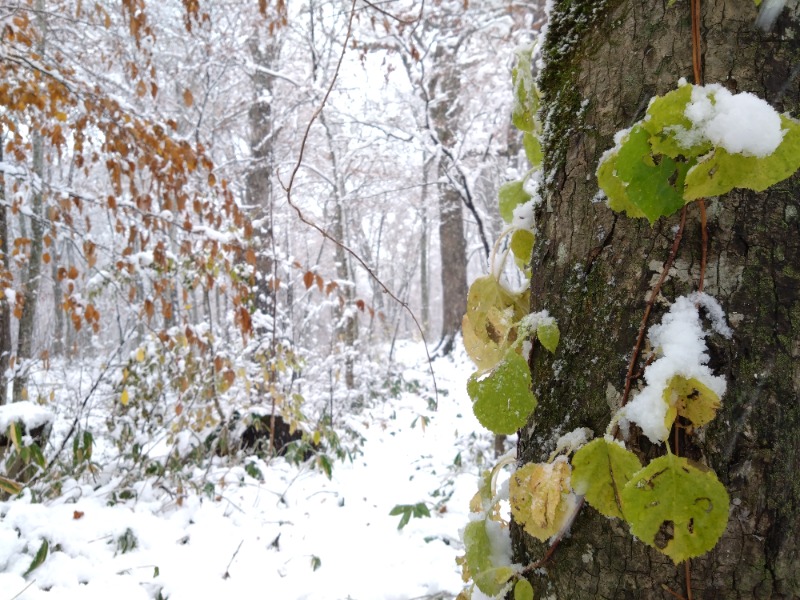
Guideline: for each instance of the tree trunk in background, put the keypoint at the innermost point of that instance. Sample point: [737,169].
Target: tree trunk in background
[424,278]
[5,308]
[259,177]
[346,318]
[445,88]
[32,277]
[593,270]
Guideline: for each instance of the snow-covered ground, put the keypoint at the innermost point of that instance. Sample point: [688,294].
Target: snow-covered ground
[296,535]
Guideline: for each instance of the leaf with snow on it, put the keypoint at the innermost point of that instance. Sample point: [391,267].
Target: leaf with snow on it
[548,335]
[540,497]
[488,325]
[485,559]
[721,170]
[692,400]
[510,196]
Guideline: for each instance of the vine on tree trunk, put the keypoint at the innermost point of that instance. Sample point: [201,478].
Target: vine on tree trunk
[694,142]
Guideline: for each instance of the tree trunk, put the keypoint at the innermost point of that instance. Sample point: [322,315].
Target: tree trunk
[259,176]
[444,110]
[593,270]
[32,276]
[5,307]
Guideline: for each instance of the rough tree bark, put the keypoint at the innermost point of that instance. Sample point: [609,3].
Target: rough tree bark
[593,270]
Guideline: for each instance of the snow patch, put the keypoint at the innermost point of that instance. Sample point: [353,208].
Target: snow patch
[740,123]
[32,415]
[680,340]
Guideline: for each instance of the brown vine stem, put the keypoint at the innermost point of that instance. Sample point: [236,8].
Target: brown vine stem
[288,189]
[697,66]
[704,246]
[671,593]
[653,295]
[564,530]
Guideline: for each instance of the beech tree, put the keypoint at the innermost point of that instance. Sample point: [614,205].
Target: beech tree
[595,270]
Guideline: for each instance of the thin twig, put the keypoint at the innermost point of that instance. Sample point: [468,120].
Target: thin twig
[697,67]
[23,590]
[704,244]
[288,189]
[386,13]
[228,568]
[696,43]
[551,550]
[698,79]
[671,593]
[654,294]
[688,573]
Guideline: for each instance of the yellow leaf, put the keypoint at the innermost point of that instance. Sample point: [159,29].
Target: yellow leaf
[140,355]
[124,397]
[692,400]
[540,497]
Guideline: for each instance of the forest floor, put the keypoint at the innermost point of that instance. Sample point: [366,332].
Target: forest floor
[293,533]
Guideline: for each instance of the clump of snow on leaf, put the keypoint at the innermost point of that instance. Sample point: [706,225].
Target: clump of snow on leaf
[500,542]
[741,123]
[680,341]
[573,440]
[523,215]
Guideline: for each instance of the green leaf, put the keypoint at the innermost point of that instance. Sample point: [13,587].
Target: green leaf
[511,195]
[316,562]
[15,434]
[489,326]
[676,506]
[548,334]
[493,581]
[692,399]
[325,465]
[407,511]
[526,98]
[489,578]
[614,187]
[523,590]
[719,171]
[41,556]
[666,120]
[600,470]
[653,183]
[502,398]
[36,455]
[482,500]
[533,148]
[420,510]
[521,245]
